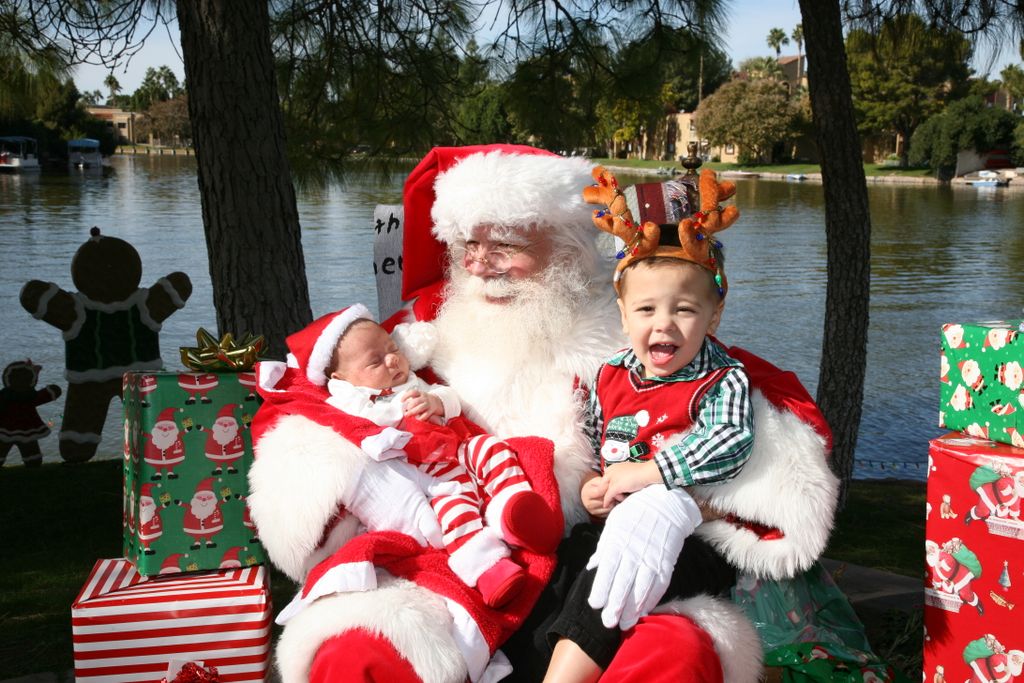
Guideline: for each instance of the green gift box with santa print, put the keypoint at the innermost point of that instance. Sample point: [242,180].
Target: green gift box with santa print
[982,375]
[187,452]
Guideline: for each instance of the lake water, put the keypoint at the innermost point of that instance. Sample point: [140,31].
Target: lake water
[939,255]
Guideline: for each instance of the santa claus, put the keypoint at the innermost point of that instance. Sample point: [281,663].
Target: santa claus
[954,567]
[524,318]
[224,444]
[203,518]
[990,662]
[999,490]
[164,448]
[150,526]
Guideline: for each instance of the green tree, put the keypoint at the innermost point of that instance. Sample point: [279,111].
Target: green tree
[1017,146]
[757,68]
[158,85]
[1013,81]
[967,124]
[754,115]
[776,39]
[903,73]
[481,114]
[92,97]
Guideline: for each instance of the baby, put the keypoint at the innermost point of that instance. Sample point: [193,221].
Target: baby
[480,494]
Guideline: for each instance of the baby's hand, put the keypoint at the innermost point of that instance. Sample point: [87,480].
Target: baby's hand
[592,494]
[421,406]
[626,477]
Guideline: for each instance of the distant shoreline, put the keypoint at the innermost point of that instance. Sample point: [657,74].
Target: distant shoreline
[1015,184]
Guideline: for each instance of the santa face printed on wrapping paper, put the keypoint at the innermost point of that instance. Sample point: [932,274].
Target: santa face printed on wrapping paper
[203,518]
[970,371]
[1011,375]
[997,338]
[954,335]
[962,399]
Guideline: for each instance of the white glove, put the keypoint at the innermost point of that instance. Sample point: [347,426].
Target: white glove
[637,552]
[389,496]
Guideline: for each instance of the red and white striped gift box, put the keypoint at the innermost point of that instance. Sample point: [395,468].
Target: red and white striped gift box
[129,628]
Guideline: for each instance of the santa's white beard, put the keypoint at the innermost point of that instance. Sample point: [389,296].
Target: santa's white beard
[203,508]
[224,434]
[514,363]
[532,314]
[147,511]
[164,438]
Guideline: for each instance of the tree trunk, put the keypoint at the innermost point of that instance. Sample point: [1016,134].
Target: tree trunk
[847,230]
[250,217]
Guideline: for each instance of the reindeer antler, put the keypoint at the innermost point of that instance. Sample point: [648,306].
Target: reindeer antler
[616,218]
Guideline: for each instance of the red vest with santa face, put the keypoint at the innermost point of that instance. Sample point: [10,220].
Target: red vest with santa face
[647,413]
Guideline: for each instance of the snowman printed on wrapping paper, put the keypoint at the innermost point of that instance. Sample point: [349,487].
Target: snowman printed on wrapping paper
[619,435]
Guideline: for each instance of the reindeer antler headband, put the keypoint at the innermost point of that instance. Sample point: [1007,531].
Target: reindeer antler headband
[657,219]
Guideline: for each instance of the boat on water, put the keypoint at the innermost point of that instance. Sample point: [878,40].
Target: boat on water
[987,179]
[738,174]
[796,176]
[18,153]
[84,153]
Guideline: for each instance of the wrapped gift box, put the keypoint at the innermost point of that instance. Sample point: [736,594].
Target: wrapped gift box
[974,546]
[130,628]
[982,390]
[187,452]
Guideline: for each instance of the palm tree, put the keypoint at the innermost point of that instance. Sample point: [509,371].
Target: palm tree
[776,39]
[798,37]
[112,85]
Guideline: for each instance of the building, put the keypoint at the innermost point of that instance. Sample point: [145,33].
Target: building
[121,122]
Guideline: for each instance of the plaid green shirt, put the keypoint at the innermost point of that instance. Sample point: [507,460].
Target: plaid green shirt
[722,435]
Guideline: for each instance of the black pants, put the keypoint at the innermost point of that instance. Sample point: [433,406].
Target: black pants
[562,610]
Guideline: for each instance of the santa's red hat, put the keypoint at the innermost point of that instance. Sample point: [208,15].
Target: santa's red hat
[146,491]
[454,189]
[172,564]
[231,556]
[227,410]
[205,485]
[166,415]
[312,347]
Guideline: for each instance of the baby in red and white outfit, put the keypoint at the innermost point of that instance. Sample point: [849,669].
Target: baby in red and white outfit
[482,498]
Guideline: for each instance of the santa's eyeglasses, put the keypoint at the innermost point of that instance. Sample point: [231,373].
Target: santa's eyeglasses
[497,257]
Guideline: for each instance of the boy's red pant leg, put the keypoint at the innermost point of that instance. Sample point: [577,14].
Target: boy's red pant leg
[358,656]
[665,647]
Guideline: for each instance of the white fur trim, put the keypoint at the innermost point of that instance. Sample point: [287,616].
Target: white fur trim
[502,189]
[269,373]
[299,477]
[417,341]
[786,484]
[477,555]
[323,348]
[343,578]
[385,444]
[477,654]
[415,620]
[734,637]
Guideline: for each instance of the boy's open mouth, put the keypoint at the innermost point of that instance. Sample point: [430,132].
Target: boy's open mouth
[662,353]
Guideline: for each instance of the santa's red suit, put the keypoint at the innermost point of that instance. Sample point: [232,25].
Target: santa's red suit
[1000,498]
[408,629]
[161,453]
[203,527]
[994,669]
[224,444]
[954,577]
[150,530]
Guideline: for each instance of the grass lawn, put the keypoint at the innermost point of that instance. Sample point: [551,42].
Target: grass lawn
[869,169]
[60,519]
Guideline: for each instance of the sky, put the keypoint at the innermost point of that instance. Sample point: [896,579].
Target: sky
[750,21]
